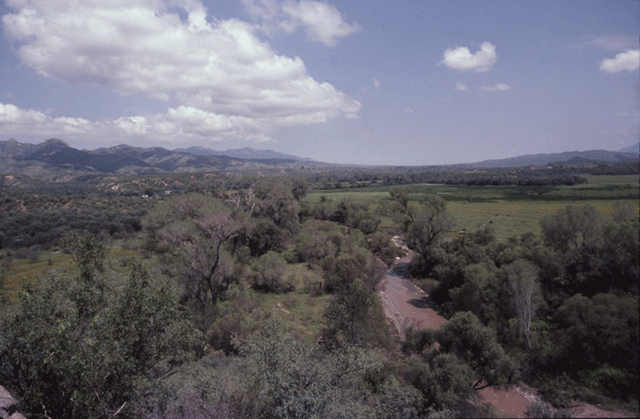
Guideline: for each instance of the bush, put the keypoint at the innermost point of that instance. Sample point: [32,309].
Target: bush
[540,409]
[268,271]
[417,340]
[32,253]
[615,382]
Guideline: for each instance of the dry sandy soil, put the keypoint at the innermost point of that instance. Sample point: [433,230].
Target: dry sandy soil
[406,305]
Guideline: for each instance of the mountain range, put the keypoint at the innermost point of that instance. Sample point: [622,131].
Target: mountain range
[54,159]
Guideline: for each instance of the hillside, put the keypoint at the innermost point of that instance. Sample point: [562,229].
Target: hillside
[247,153]
[547,159]
[55,160]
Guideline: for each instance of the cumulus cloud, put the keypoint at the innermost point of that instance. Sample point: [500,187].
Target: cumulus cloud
[219,71]
[625,61]
[180,124]
[461,86]
[497,87]
[320,21]
[462,59]
[376,83]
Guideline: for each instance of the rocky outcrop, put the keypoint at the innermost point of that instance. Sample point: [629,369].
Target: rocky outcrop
[9,405]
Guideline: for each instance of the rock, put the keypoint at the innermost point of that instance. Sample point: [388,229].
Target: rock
[8,405]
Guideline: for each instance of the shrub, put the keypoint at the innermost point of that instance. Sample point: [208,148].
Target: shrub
[268,271]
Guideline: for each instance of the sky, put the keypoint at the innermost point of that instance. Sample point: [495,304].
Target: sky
[357,82]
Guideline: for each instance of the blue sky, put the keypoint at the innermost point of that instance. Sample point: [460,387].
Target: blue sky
[367,82]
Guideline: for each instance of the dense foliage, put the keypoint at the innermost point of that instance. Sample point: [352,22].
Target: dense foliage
[192,329]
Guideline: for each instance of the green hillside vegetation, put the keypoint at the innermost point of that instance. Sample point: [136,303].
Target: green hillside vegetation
[216,295]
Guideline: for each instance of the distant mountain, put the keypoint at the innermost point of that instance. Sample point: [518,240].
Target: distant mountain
[246,153]
[55,160]
[631,149]
[547,159]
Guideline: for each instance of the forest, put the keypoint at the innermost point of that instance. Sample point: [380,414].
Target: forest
[246,296]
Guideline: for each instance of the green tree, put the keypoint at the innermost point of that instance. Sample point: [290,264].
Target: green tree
[476,345]
[572,228]
[194,230]
[79,348]
[526,296]
[265,236]
[4,273]
[294,381]
[401,195]
[348,312]
[598,330]
[275,200]
[268,271]
[299,187]
[621,254]
[426,222]
[444,381]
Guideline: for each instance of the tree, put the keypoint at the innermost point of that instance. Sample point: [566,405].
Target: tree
[598,330]
[443,380]
[465,337]
[3,276]
[268,271]
[401,195]
[294,381]
[621,253]
[349,311]
[79,348]
[426,222]
[572,228]
[275,199]
[299,187]
[264,237]
[194,229]
[522,277]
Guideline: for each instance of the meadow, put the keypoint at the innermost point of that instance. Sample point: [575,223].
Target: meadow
[510,210]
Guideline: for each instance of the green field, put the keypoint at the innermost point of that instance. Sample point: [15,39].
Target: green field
[510,210]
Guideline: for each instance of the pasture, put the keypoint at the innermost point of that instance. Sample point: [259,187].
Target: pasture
[510,210]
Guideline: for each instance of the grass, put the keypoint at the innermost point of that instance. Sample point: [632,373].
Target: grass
[510,210]
[509,218]
[25,272]
[299,308]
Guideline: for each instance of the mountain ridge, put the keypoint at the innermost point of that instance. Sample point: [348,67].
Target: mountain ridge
[55,159]
[247,153]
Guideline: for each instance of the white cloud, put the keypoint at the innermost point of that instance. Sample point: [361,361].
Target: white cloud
[461,58]
[320,21]
[625,61]
[497,87]
[461,86]
[221,73]
[376,83]
[607,42]
[177,124]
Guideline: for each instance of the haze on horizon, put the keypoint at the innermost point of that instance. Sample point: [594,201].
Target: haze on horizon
[359,82]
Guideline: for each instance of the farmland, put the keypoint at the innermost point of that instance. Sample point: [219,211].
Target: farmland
[510,210]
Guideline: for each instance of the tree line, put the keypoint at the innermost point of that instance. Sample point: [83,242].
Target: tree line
[185,336]
[564,305]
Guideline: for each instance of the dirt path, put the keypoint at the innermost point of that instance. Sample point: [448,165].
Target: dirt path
[406,305]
